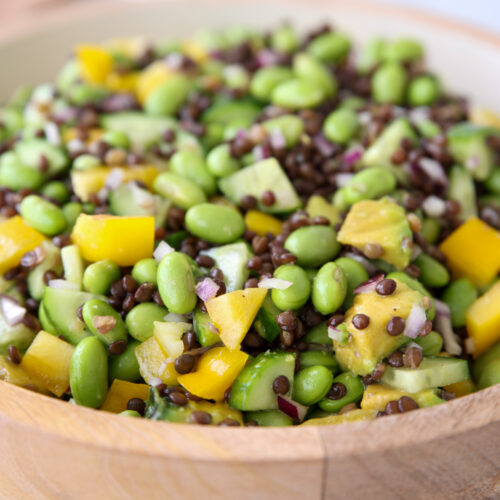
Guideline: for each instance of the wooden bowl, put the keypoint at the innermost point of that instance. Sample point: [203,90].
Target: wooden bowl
[50,449]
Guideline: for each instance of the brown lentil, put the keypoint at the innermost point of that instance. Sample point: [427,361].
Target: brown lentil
[14,354]
[286,320]
[373,250]
[406,403]
[205,261]
[137,404]
[412,357]
[392,407]
[229,422]
[395,359]
[281,385]
[361,321]
[201,417]
[395,326]
[184,363]
[337,391]
[386,287]
[117,347]
[144,292]
[178,398]
[268,198]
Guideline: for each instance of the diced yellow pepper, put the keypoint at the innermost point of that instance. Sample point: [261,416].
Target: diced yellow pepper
[150,78]
[94,134]
[473,251]
[169,337]
[123,240]
[121,392]
[87,182]
[118,82]
[152,363]
[95,63]
[318,206]
[233,313]
[48,360]
[195,51]
[17,375]
[16,238]
[483,320]
[461,388]
[262,223]
[352,416]
[486,117]
[215,373]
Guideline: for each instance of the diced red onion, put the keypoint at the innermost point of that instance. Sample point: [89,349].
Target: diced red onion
[266,57]
[364,117]
[275,283]
[161,250]
[52,133]
[415,321]
[472,162]
[174,60]
[292,408]
[343,179]
[115,178]
[434,206]
[324,146]
[369,267]
[261,152]
[207,289]
[335,334]
[143,198]
[63,285]
[12,312]
[102,194]
[353,155]
[75,145]
[419,115]
[369,285]
[442,323]
[277,139]
[434,170]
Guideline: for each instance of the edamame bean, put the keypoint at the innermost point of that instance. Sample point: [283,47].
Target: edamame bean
[490,375]
[71,212]
[341,126]
[266,79]
[179,190]
[103,321]
[140,320]
[167,98]
[329,288]
[330,47]
[144,271]
[125,366]
[355,274]
[86,162]
[297,94]
[296,295]
[215,223]
[403,50]
[220,162]
[369,184]
[130,413]
[354,393]
[313,245]
[116,139]
[86,93]
[176,283]
[492,183]
[312,384]
[432,273]
[389,83]
[323,358]
[56,190]
[423,91]
[428,128]
[291,127]
[484,360]
[99,276]
[284,39]
[431,344]
[191,165]
[430,230]
[16,176]
[42,215]
[318,335]
[268,418]
[309,68]
[459,295]
[371,55]
[89,373]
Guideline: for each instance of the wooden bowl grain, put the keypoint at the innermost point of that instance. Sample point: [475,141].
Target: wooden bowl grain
[54,450]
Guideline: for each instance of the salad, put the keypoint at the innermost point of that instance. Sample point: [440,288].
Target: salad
[249,228]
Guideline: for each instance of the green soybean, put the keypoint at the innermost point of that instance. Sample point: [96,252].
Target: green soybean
[167,98]
[403,50]
[312,384]
[431,344]
[176,283]
[125,366]
[329,288]
[484,360]
[428,128]
[291,127]
[341,126]
[318,335]
[459,296]
[43,215]
[86,93]
[93,311]
[389,83]
[309,68]
[140,320]
[490,375]
[220,162]
[56,190]
[313,245]
[89,373]
[430,230]
[296,295]
[432,273]
[144,271]
[191,165]
[492,182]
[371,55]
[369,184]
[116,139]
[99,276]
[323,358]
[179,190]
[215,223]
[297,94]
[266,79]
[423,91]
[71,212]
[17,176]
[354,393]
[330,47]
[86,162]
[284,39]
[355,274]
[130,413]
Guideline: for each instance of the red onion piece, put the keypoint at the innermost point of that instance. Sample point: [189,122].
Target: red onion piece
[442,323]
[207,289]
[12,312]
[277,139]
[292,408]
[434,206]
[335,334]
[434,170]
[114,178]
[261,152]
[161,250]
[324,146]
[343,179]
[63,284]
[276,283]
[415,321]
[52,133]
[266,57]
[370,285]
[353,155]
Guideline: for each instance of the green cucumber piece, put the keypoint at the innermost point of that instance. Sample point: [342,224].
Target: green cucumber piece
[253,388]
[203,327]
[479,365]
[461,188]
[18,335]
[45,321]
[269,418]
[52,262]
[265,322]
[72,264]
[229,111]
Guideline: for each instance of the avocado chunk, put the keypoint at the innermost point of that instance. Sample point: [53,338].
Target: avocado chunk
[366,347]
[382,222]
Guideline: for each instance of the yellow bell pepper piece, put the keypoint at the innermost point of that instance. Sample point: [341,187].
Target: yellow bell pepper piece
[352,416]
[95,63]
[216,371]
[317,205]
[486,117]
[48,361]
[461,388]
[124,240]
[262,223]
[473,251]
[87,182]
[169,337]
[150,78]
[17,375]
[121,392]
[152,363]
[195,51]
[482,320]
[233,313]
[16,238]
[94,134]
[118,82]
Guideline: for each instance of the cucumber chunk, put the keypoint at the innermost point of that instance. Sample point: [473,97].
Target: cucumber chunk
[265,322]
[269,418]
[51,262]
[434,371]
[18,335]
[462,189]
[203,327]
[72,264]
